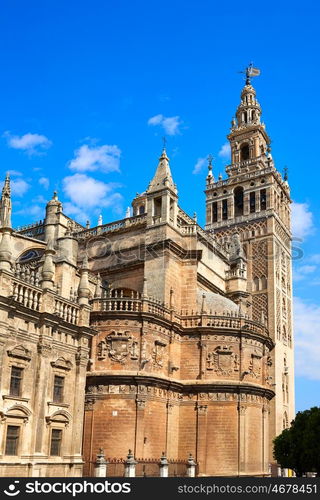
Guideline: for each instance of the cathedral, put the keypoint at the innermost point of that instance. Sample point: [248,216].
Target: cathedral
[152,333]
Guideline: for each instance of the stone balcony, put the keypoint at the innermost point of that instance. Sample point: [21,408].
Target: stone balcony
[115,303]
[35,298]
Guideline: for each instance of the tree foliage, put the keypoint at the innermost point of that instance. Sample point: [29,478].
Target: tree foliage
[298,447]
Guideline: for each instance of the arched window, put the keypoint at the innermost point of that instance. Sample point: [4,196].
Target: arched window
[252,202]
[263,282]
[141,210]
[256,284]
[244,152]
[238,201]
[214,212]
[263,199]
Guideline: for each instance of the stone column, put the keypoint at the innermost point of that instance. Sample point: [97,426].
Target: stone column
[168,429]
[231,208]
[219,205]
[81,359]
[246,203]
[139,432]
[265,440]
[202,410]
[258,200]
[242,438]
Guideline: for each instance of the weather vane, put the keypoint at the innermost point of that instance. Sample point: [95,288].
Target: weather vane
[249,72]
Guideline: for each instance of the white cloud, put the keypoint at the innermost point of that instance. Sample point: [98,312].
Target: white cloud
[225,151]
[19,187]
[302,220]
[302,272]
[14,173]
[307,346]
[105,158]
[87,194]
[76,212]
[315,258]
[34,210]
[199,165]
[44,181]
[30,143]
[170,124]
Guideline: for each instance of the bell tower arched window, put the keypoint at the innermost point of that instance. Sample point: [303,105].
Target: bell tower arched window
[238,201]
[244,152]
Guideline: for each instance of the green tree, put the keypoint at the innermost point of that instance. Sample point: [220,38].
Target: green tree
[298,447]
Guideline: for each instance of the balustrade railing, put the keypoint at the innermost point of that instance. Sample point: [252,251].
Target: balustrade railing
[67,311]
[27,295]
[117,301]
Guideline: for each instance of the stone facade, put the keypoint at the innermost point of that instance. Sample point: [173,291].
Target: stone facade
[183,334]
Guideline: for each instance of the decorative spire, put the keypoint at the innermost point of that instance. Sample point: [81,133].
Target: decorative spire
[5,204]
[84,290]
[100,220]
[162,177]
[249,111]
[210,177]
[285,174]
[97,293]
[48,268]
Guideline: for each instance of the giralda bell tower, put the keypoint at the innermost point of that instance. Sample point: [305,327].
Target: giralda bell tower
[255,202]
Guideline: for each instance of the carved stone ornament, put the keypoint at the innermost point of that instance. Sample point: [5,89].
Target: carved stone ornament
[20,352]
[255,365]
[269,377]
[62,363]
[222,360]
[118,346]
[158,353]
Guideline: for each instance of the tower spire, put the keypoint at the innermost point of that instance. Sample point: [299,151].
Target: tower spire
[5,203]
[162,177]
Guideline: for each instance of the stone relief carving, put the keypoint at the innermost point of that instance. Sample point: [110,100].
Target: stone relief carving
[222,360]
[269,377]
[158,353]
[118,346]
[255,365]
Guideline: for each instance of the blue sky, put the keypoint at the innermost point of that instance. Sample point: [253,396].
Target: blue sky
[88,89]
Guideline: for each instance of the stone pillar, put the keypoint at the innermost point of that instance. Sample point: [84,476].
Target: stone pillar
[246,203]
[258,200]
[231,208]
[164,466]
[81,359]
[5,250]
[100,469]
[191,466]
[242,438]
[130,465]
[265,440]
[256,147]
[202,410]
[169,437]
[219,205]
[139,433]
